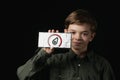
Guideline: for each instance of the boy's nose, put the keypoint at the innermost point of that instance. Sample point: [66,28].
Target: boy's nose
[78,36]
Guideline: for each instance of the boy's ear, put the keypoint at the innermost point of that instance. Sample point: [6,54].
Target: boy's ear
[92,36]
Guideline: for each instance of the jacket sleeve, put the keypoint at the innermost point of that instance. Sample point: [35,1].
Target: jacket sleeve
[108,72]
[34,65]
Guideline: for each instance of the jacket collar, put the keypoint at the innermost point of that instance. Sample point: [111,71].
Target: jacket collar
[89,55]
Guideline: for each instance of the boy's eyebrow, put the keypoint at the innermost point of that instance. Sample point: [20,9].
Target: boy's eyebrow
[71,29]
[85,31]
[74,30]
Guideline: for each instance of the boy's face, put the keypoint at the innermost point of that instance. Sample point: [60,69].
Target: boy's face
[81,36]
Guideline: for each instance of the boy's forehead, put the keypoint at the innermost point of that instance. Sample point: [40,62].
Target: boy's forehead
[75,27]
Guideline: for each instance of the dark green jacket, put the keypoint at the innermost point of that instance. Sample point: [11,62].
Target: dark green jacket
[66,66]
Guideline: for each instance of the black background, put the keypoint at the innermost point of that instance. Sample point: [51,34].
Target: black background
[32,16]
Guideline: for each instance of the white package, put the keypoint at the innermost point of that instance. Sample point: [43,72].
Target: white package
[59,40]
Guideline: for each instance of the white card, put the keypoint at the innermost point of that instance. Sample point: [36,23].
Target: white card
[59,40]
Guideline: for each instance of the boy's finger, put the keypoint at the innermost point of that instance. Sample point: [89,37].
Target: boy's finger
[65,30]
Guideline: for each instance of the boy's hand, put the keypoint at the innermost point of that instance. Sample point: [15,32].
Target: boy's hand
[51,49]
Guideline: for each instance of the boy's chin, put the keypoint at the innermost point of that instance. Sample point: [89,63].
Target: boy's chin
[77,47]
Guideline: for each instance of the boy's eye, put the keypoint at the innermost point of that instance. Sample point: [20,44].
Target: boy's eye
[72,32]
[85,33]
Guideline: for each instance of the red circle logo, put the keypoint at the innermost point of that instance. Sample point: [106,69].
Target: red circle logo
[54,40]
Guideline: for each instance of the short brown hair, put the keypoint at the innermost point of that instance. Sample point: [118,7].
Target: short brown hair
[81,16]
